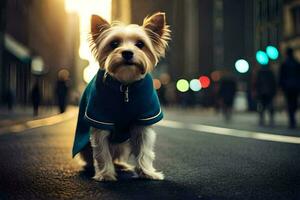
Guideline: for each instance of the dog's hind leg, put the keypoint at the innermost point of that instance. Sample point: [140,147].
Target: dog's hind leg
[86,155]
[142,143]
[104,168]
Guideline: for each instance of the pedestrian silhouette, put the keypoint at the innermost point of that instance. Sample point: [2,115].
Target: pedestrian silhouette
[265,87]
[289,81]
[226,94]
[35,98]
[62,90]
[9,98]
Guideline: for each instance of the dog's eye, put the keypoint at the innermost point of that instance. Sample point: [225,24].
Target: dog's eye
[140,44]
[114,44]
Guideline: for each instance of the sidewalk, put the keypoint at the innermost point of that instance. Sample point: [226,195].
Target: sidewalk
[21,114]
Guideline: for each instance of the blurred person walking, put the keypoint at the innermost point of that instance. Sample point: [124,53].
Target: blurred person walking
[35,98]
[289,81]
[61,90]
[265,88]
[226,94]
[9,98]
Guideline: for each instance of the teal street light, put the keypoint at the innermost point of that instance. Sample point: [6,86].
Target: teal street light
[242,66]
[272,52]
[262,58]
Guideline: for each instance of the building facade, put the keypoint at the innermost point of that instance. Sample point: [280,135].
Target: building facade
[268,23]
[42,29]
[291,26]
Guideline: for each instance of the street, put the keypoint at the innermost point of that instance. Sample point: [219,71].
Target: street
[36,161]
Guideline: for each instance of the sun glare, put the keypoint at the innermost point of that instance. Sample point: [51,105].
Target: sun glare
[85,8]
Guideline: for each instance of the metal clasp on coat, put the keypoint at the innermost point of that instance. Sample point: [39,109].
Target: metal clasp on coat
[126,93]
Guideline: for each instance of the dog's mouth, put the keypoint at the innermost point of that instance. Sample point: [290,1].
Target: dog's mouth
[139,66]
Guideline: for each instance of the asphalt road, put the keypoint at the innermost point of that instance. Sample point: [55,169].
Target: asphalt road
[36,163]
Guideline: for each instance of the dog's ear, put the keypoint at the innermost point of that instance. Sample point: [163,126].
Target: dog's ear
[159,32]
[98,25]
[156,23]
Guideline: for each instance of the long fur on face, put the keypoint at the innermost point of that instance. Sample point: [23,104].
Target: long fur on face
[147,42]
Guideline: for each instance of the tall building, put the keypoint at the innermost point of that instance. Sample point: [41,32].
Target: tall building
[43,30]
[182,59]
[206,35]
[268,23]
[291,26]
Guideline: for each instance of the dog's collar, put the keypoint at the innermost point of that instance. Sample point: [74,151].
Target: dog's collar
[107,80]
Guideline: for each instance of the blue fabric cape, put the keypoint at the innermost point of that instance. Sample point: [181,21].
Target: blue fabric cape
[104,105]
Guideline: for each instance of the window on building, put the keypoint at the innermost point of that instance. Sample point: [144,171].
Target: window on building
[268,13]
[260,10]
[296,19]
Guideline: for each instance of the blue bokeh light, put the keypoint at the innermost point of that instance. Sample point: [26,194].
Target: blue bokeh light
[195,85]
[262,58]
[272,52]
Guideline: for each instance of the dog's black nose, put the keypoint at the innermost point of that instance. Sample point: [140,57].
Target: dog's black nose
[127,55]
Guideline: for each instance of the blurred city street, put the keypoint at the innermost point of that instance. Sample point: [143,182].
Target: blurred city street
[225,73]
[201,156]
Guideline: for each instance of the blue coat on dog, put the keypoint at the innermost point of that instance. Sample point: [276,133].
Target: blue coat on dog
[107,104]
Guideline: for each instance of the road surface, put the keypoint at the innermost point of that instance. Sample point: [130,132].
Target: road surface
[200,161]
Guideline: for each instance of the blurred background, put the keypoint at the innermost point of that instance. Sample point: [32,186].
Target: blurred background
[213,41]
[229,86]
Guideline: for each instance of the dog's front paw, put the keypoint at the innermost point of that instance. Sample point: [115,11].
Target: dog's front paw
[104,177]
[151,175]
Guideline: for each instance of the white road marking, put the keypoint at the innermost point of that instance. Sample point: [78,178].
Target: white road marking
[230,132]
[164,123]
[17,128]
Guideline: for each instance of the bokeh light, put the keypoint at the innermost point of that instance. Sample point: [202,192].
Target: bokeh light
[272,52]
[195,85]
[204,81]
[37,65]
[242,66]
[262,58]
[63,74]
[165,78]
[182,85]
[215,76]
[156,84]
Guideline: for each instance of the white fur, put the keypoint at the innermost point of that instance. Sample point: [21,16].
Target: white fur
[106,155]
[142,143]
[104,168]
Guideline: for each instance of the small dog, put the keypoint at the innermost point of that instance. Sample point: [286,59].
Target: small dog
[120,104]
